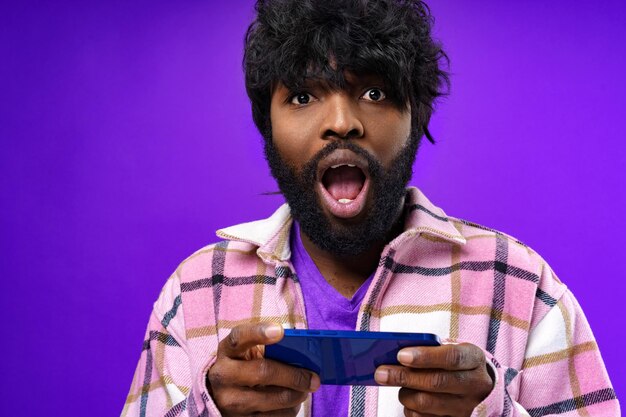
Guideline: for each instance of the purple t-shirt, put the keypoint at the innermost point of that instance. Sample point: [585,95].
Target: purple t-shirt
[325,308]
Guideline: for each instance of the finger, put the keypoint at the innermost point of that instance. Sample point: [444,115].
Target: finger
[287,412]
[460,357]
[284,398]
[246,336]
[268,400]
[427,403]
[262,373]
[411,413]
[431,380]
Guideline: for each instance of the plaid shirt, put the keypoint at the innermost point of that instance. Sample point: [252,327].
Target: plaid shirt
[442,275]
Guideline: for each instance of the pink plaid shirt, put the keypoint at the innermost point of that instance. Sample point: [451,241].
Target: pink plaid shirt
[442,275]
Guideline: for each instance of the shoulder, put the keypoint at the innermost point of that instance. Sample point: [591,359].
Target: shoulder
[501,246]
[212,258]
[515,259]
[203,268]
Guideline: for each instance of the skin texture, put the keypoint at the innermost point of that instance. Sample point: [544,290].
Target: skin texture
[242,382]
[449,380]
[359,114]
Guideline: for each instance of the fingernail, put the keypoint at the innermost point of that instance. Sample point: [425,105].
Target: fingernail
[314,383]
[273,331]
[405,357]
[381,376]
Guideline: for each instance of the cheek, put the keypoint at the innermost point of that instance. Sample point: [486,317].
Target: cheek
[291,136]
[394,135]
[284,142]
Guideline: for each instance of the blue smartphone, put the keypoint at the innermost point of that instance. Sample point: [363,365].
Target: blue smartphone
[344,357]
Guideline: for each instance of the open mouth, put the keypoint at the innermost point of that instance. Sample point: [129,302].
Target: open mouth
[343,183]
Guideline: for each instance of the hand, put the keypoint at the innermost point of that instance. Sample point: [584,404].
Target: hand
[242,382]
[448,380]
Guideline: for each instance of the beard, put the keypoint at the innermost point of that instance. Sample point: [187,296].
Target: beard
[387,189]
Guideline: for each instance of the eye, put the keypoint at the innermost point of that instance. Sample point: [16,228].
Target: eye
[374,94]
[301,99]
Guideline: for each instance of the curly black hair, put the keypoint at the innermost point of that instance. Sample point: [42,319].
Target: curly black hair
[291,40]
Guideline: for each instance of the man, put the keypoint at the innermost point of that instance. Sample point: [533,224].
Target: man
[342,93]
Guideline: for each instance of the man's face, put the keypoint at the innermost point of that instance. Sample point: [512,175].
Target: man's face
[342,158]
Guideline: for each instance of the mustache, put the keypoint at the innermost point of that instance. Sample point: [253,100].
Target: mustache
[309,170]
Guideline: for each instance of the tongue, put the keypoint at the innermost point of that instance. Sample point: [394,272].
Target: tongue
[344,182]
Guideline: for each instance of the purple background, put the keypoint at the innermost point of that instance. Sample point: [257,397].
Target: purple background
[127,140]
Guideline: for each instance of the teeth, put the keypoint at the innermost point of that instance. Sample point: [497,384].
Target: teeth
[340,165]
[345,200]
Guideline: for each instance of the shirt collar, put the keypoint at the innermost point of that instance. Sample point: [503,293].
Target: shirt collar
[271,235]
[423,217]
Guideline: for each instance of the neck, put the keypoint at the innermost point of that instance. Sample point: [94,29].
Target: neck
[346,273]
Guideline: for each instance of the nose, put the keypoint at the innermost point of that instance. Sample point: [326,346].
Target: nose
[341,119]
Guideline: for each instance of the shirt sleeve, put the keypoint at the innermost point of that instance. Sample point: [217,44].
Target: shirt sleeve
[165,383]
[562,374]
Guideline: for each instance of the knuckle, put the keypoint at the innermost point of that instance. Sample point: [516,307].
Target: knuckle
[439,380]
[264,373]
[480,357]
[423,401]
[233,404]
[285,398]
[475,356]
[460,378]
[455,356]
[398,377]
[233,338]
[301,379]
[216,376]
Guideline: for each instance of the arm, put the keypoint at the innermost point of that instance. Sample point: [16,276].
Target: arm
[241,382]
[562,375]
[164,383]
